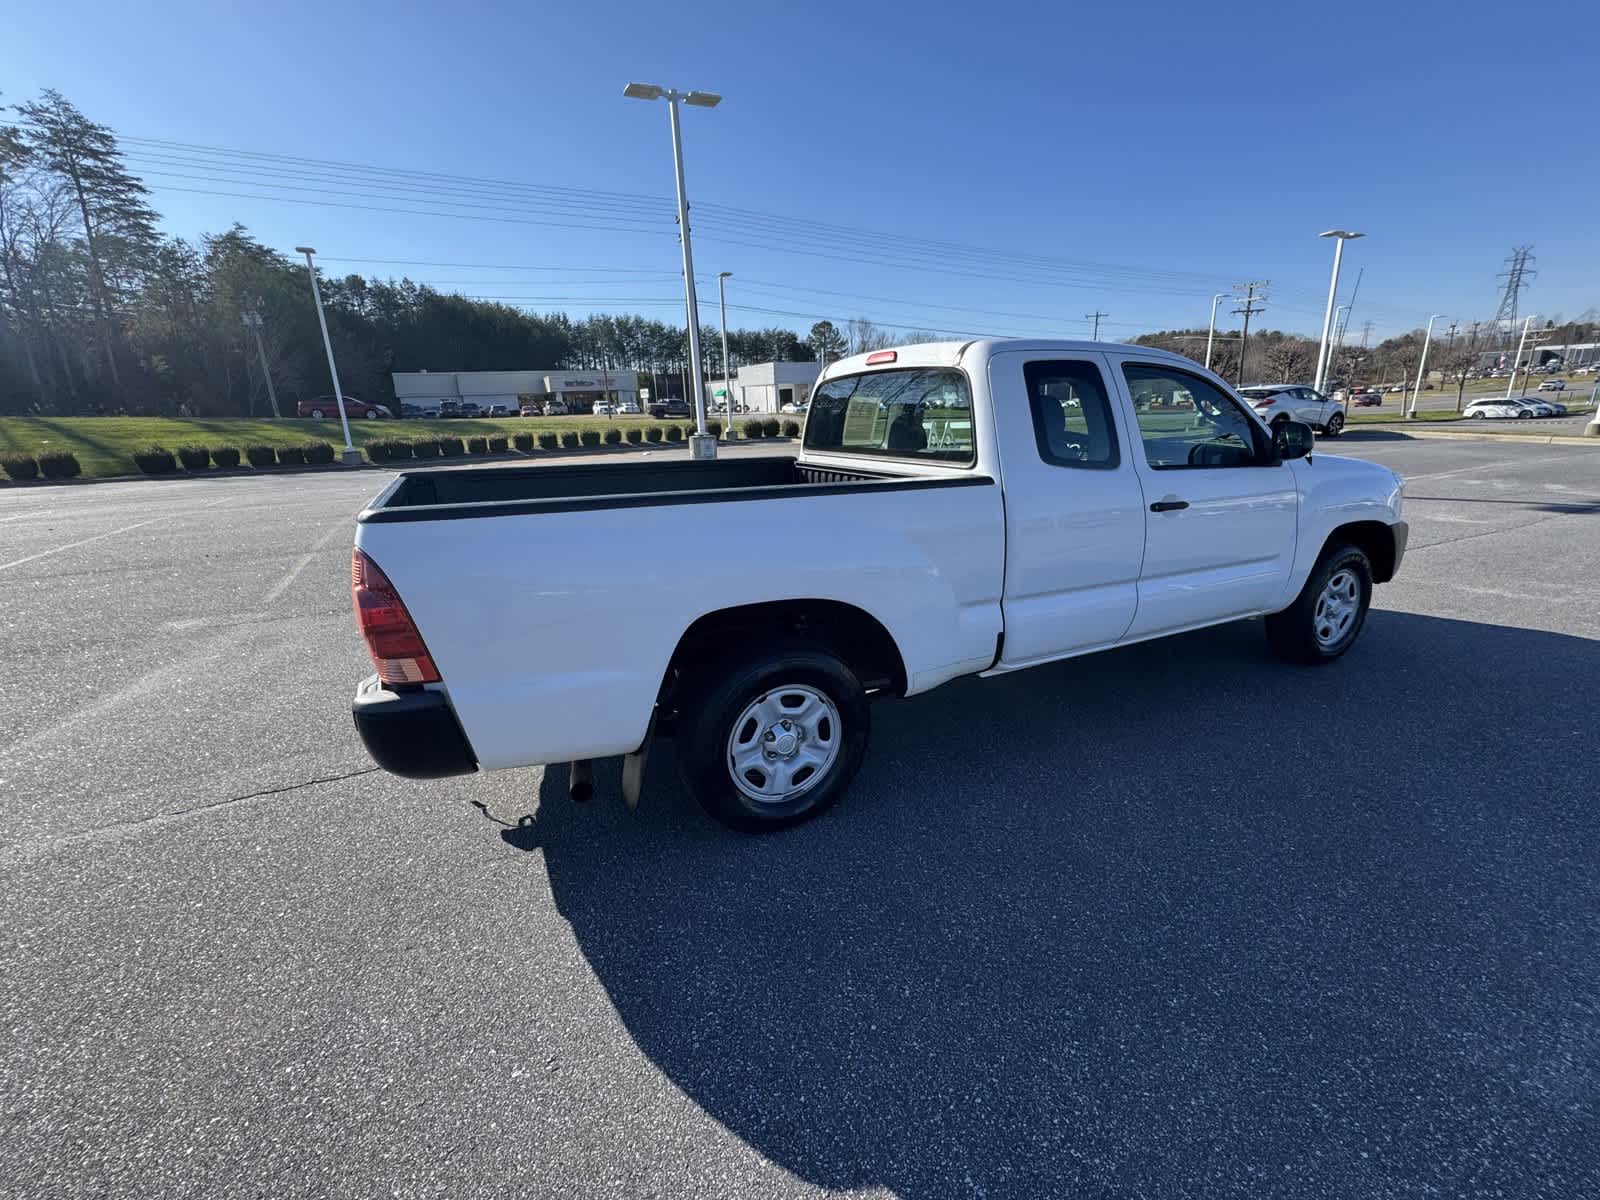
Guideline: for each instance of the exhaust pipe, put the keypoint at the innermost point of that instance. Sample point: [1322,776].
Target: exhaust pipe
[580,780]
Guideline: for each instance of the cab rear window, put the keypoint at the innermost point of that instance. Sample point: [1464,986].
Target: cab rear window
[913,412]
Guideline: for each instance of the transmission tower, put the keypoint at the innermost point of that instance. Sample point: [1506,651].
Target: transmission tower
[1519,271]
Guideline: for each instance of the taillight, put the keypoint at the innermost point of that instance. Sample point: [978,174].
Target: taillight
[1262,403]
[882,356]
[390,633]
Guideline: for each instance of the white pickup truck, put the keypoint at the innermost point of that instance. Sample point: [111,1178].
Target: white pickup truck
[956,508]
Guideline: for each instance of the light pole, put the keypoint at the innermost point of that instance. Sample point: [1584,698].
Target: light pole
[727,382]
[1512,382]
[1416,389]
[252,321]
[702,444]
[1340,236]
[351,455]
[1211,333]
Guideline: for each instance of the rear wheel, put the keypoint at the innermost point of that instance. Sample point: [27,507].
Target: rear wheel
[775,738]
[1328,614]
[370,413]
[316,414]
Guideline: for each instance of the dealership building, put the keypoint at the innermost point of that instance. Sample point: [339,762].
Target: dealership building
[767,387]
[580,390]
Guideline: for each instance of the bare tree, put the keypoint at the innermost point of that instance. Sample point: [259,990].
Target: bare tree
[863,335]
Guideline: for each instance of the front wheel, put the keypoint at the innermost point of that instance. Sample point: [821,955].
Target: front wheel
[775,738]
[370,414]
[1328,614]
[1335,424]
[316,414]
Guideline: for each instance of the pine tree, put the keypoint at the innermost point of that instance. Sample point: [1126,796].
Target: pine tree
[119,228]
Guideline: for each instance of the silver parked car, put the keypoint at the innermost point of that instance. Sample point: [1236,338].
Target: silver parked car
[1276,402]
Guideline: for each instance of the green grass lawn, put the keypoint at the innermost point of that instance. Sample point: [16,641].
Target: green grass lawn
[105,445]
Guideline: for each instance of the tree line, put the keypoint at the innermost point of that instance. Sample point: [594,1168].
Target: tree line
[101,313]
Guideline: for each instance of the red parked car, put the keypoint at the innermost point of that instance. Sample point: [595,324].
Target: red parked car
[327,406]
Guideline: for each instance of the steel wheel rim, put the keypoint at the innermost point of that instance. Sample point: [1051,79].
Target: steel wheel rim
[1337,606]
[783,743]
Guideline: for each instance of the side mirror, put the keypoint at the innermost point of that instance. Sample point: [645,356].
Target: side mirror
[1292,439]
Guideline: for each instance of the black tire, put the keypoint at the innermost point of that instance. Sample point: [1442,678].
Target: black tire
[1335,425]
[316,414]
[707,714]
[1292,633]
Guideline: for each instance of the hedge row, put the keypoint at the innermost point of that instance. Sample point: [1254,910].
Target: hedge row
[52,464]
[158,460]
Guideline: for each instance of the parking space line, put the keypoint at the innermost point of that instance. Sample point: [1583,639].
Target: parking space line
[300,564]
[74,545]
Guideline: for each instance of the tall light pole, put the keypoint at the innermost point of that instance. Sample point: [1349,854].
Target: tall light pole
[351,456]
[1416,389]
[1340,236]
[1512,382]
[1211,333]
[727,382]
[702,444]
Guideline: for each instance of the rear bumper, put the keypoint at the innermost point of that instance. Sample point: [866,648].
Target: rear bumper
[412,733]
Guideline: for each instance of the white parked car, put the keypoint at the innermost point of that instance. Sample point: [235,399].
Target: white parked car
[1552,385]
[1496,409]
[792,408]
[555,408]
[1293,401]
[605,408]
[628,408]
[957,508]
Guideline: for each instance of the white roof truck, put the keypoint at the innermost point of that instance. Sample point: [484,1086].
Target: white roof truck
[956,508]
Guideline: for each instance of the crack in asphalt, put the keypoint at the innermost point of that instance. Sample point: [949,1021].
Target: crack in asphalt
[15,854]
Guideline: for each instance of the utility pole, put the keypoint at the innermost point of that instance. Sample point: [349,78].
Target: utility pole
[252,321]
[1095,317]
[1252,305]
[1451,343]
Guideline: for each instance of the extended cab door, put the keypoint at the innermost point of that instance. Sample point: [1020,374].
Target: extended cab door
[1073,504]
[1221,510]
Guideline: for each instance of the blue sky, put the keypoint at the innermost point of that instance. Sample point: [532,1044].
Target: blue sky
[1152,153]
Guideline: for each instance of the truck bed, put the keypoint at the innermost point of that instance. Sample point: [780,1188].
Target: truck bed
[434,495]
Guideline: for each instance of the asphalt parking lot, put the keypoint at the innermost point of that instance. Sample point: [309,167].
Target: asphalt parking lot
[1177,920]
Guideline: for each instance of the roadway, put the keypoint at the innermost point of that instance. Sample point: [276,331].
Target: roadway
[1174,920]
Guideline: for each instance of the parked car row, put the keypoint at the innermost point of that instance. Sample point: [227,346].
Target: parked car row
[1513,407]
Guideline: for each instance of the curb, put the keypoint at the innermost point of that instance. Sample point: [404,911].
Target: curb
[1535,439]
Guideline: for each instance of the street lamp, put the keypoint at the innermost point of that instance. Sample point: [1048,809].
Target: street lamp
[702,444]
[1416,389]
[1211,333]
[1340,236]
[727,383]
[351,456]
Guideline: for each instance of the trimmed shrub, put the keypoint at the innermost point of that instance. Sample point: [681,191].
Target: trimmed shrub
[498,443]
[652,433]
[226,457]
[426,447]
[318,454]
[262,456]
[791,429]
[477,445]
[589,437]
[20,466]
[755,429]
[195,458]
[674,433]
[523,442]
[771,426]
[613,436]
[634,436]
[292,456]
[714,428]
[154,460]
[569,440]
[61,464]
[548,441]
[450,446]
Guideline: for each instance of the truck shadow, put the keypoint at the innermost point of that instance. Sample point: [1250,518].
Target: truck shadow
[1174,919]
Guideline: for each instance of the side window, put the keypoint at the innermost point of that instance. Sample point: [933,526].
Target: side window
[1071,414]
[1184,421]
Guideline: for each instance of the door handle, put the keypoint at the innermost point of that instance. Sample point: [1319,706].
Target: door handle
[1168,505]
